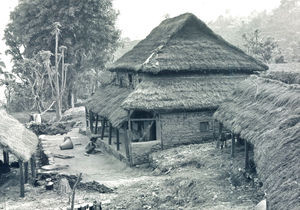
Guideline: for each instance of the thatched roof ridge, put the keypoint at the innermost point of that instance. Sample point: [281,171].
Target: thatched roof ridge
[15,138]
[185,43]
[184,93]
[107,103]
[266,112]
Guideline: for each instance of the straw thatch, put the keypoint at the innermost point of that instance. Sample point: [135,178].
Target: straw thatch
[15,138]
[107,103]
[185,43]
[266,112]
[170,93]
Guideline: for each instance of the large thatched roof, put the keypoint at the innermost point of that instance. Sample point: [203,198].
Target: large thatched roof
[184,43]
[266,112]
[15,138]
[107,103]
[171,93]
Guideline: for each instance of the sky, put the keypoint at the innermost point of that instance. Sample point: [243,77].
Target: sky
[138,17]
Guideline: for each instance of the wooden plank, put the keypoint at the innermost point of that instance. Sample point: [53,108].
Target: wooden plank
[26,172]
[22,187]
[33,168]
[118,140]
[142,119]
[96,126]
[110,133]
[103,128]
[246,155]
[232,145]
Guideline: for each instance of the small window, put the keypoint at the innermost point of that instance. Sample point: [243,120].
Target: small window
[130,79]
[204,127]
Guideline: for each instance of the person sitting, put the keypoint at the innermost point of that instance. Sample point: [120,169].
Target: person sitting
[90,147]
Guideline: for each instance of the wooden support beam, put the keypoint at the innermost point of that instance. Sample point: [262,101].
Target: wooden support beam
[126,144]
[232,145]
[91,121]
[26,172]
[118,140]
[246,155]
[220,135]
[96,126]
[33,168]
[22,187]
[5,157]
[142,119]
[86,117]
[103,127]
[110,133]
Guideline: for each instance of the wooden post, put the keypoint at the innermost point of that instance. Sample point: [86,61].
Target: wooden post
[6,157]
[91,121]
[110,133]
[232,145]
[130,138]
[103,127]
[86,117]
[96,126]
[220,135]
[33,170]
[22,188]
[118,140]
[126,144]
[26,172]
[246,155]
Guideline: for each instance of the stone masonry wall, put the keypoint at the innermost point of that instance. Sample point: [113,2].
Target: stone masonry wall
[184,128]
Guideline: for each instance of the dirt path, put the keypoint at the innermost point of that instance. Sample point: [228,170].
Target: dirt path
[187,177]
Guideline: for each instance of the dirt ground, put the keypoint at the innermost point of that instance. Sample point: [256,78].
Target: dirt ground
[186,177]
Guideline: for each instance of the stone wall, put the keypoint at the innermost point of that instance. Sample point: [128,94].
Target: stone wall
[184,128]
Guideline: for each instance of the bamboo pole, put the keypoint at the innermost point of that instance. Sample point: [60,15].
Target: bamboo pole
[22,187]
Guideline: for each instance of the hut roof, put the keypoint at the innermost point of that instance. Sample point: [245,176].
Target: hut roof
[184,43]
[107,103]
[15,138]
[170,93]
[266,112]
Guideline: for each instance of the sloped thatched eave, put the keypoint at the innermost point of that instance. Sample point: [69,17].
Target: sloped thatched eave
[15,138]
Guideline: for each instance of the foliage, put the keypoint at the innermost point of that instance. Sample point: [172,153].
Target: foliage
[262,48]
[87,30]
[283,24]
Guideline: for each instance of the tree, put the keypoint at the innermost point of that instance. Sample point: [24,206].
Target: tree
[87,30]
[260,47]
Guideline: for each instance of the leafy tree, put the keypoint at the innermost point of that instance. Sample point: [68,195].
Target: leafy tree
[260,47]
[87,30]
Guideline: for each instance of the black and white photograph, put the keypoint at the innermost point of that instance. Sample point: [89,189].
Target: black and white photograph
[149,105]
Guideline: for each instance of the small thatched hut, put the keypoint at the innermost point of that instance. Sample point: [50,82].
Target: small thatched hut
[266,113]
[16,139]
[177,76]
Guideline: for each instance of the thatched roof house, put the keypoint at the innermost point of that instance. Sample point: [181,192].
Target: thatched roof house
[184,43]
[107,103]
[266,112]
[176,78]
[181,93]
[15,138]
